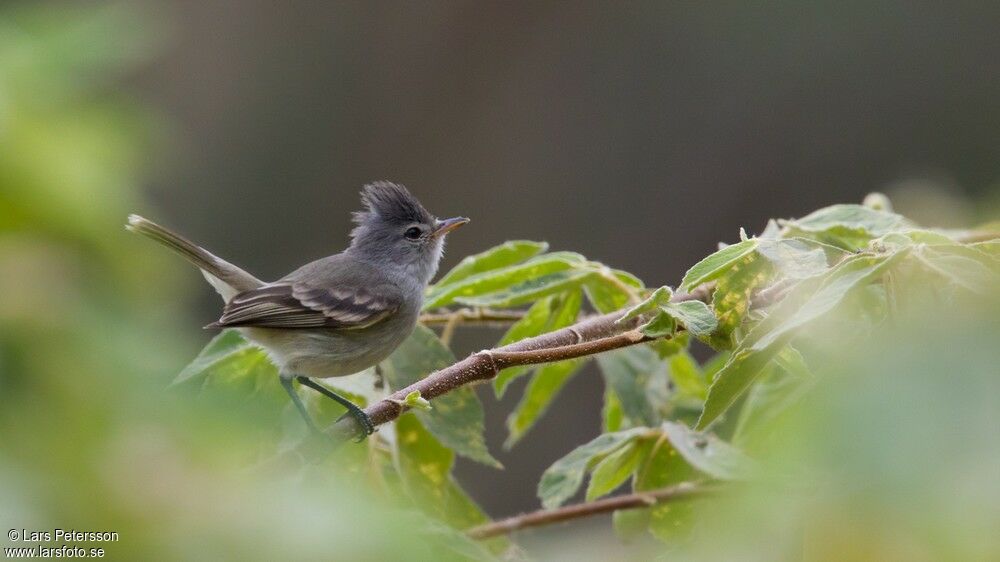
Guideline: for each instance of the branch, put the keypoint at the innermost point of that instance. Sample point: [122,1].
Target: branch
[589,337]
[481,316]
[628,501]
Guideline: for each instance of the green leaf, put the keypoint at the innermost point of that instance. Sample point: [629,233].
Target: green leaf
[457,417]
[780,386]
[531,324]
[546,315]
[847,226]
[425,469]
[962,266]
[447,543]
[614,470]
[627,372]
[530,290]
[541,391]
[611,413]
[659,326]
[717,264]
[414,400]
[561,480]
[794,258]
[693,315]
[989,247]
[807,301]
[506,254]
[667,347]
[662,466]
[873,222]
[222,345]
[660,296]
[496,280]
[687,376]
[708,453]
[607,296]
[731,299]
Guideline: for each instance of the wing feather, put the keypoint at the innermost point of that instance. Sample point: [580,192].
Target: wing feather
[298,305]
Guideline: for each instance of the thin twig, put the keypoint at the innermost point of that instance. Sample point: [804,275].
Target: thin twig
[628,501]
[449,330]
[479,316]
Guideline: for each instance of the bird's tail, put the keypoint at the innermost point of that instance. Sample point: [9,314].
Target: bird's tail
[224,276]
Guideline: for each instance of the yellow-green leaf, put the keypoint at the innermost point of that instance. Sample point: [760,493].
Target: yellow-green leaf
[496,280]
[613,470]
[561,480]
[541,391]
[717,264]
[807,301]
[508,253]
[530,290]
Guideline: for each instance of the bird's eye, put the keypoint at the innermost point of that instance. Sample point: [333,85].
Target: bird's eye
[413,233]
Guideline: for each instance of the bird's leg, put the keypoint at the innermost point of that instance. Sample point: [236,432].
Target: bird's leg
[286,383]
[352,409]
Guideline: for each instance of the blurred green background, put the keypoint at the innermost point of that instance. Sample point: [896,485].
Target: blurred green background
[637,134]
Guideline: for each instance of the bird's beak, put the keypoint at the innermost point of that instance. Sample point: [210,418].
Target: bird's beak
[447,225]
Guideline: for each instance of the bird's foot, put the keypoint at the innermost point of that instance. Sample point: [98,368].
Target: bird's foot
[363,420]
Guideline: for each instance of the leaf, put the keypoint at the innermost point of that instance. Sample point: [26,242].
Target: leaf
[693,315]
[544,386]
[530,290]
[807,301]
[661,466]
[561,480]
[660,296]
[715,265]
[794,258]
[553,315]
[614,470]
[531,324]
[708,453]
[731,299]
[667,347]
[962,266]
[447,543]
[425,469]
[989,247]
[847,226]
[499,279]
[627,372]
[873,222]
[414,400]
[660,326]
[777,390]
[611,413]
[222,345]
[457,417]
[607,296]
[506,254]
[687,376]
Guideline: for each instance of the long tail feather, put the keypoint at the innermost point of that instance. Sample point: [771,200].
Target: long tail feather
[234,278]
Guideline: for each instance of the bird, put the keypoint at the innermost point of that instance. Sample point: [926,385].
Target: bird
[337,315]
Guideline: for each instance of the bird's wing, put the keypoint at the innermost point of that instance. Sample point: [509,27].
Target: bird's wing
[299,305]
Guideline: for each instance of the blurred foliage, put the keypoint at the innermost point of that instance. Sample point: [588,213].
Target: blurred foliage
[850,404]
[90,438]
[786,309]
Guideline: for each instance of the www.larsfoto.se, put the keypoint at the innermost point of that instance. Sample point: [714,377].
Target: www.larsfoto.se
[64,551]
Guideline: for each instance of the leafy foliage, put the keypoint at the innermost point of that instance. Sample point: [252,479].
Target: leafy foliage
[845,266]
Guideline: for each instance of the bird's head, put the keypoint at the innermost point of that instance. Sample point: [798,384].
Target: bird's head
[395,229]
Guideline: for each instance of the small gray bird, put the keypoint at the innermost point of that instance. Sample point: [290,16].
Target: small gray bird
[338,315]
